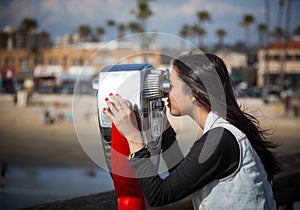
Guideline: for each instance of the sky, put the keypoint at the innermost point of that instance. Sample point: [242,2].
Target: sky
[60,17]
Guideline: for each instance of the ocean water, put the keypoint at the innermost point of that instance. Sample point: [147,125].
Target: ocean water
[30,186]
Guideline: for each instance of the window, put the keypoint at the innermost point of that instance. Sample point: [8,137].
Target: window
[23,61]
[77,61]
[267,57]
[38,61]
[288,57]
[276,57]
[24,64]
[65,60]
[53,61]
[9,61]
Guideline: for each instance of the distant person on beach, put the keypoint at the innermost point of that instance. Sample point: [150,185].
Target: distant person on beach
[230,167]
[3,174]
[47,118]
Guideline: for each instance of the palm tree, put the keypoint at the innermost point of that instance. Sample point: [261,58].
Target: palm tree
[198,32]
[267,19]
[100,32]
[203,16]
[184,33]
[84,32]
[288,19]
[94,38]
[286,39]
[28,25]
[45,37]
[277,34]
[296,31]
[262,30]
[121,29]
[111,24]
[194,31]
[280,13]
[134,27]
[221,33]
[143,13]
[70,39]
[247,21]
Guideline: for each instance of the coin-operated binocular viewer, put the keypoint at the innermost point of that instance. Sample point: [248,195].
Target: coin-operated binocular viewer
[143,87]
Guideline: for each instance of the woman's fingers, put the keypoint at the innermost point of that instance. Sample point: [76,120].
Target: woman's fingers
[123,103]
[108,114]
[110,105]
[120,114]
[116,104]
[116,100]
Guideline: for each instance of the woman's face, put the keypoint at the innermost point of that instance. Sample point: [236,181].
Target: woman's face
[180,97]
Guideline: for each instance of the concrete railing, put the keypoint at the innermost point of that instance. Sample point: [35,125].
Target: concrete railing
[286,190]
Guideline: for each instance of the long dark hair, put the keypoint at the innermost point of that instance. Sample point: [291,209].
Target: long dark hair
[208,78]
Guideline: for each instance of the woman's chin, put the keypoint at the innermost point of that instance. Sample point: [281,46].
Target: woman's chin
[174,113]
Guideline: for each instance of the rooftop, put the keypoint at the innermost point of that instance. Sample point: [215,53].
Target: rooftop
[291,44]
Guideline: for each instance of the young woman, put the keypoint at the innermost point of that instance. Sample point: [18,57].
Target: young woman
[230,167]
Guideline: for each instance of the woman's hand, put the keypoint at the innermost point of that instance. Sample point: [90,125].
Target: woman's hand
[122,115]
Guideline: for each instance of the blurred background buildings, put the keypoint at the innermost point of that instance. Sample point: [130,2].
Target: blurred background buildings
[53,65]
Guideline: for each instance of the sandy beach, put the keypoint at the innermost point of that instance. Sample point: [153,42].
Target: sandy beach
[26,140]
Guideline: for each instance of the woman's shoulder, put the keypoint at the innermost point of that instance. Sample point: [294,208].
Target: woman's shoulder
[218,137]
[221,132]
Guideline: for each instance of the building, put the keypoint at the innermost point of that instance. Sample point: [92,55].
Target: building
[13,39]
[280,59]
[242,72]
[53,67]
[232,59]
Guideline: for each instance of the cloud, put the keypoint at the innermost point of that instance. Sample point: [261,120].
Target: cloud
[215,8]
[54,11]
[178,11]
[223,9]
[185,12]
[15,11]
[63,16]
[53,5]
[69,12]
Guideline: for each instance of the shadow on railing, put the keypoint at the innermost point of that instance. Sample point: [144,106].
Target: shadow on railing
[286,190]
[287,183]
